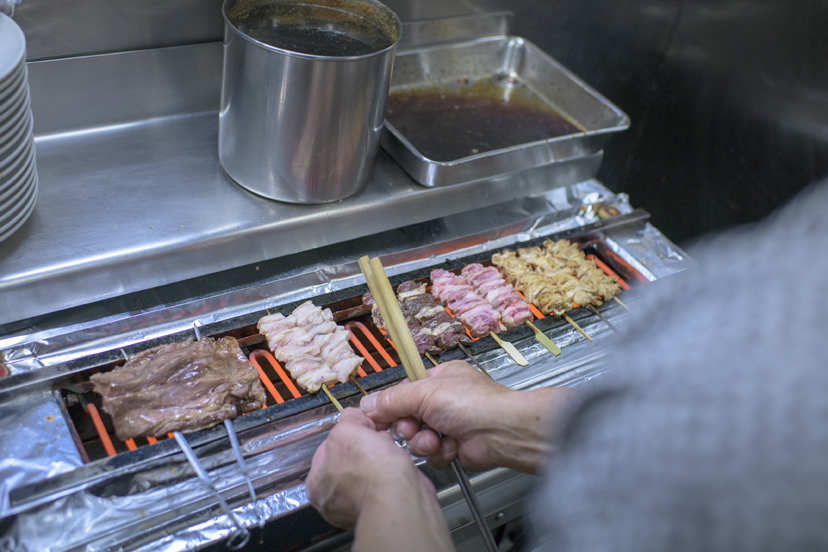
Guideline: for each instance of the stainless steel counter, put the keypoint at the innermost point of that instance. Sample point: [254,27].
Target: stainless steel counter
[134,204]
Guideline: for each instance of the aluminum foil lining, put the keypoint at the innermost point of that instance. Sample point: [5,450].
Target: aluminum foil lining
[31,352]
[34,443]
[110,516]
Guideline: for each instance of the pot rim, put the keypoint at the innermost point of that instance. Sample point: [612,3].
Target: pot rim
[230,25]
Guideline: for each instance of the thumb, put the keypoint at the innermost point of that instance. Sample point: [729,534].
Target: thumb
[396,402]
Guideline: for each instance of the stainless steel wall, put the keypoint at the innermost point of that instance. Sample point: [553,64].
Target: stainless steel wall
[728,98]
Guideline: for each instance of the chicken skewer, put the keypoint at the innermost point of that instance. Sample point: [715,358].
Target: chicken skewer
[314,349]
[555,276]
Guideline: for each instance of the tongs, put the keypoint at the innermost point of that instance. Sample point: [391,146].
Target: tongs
[242,536]
[413,364]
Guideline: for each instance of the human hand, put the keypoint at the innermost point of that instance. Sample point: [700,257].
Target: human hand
[361,480]
[485,424]
[354,457]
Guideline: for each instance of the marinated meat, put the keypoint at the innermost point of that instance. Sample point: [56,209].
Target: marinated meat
[187,386]
[555,276]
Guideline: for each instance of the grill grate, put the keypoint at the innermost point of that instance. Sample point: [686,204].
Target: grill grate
[95,429]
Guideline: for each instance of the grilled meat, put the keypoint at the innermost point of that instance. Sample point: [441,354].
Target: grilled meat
[314,349]
[452,291]
[423,340]
[500,294]
[555,276]
[186,387]
[417,304]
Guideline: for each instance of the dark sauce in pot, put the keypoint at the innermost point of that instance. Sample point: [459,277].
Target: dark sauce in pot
[310,29]
[454,121]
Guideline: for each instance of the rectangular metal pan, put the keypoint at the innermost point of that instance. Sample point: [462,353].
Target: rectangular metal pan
[519,61]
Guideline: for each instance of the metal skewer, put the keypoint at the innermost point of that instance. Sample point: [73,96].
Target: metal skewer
[602,317]
[474,360]
[234,443]
[205,478]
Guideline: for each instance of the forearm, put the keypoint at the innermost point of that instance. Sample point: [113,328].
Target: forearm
[403,516]
[524,421]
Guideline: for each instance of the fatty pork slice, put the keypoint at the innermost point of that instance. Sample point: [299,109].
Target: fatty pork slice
[468,306]
[314,349]
[187,386]
[500,294]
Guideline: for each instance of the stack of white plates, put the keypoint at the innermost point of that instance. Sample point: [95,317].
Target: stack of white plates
[18,173]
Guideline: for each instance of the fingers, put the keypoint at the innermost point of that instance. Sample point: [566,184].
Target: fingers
[424,444]
[397,402]
[445,455]
[354,416]
[405,428]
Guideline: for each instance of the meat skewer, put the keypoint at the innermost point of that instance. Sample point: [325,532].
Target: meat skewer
[555,276]
[500,294]
[314,348]
[472,309]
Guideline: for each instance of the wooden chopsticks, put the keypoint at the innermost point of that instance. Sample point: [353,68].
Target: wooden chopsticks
[392,315]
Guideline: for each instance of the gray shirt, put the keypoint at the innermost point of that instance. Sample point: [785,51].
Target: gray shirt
[711,434]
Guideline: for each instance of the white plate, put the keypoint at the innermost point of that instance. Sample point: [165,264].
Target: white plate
[22,217]
[15,78]
[23,210]
[14,135]
[5,103]
[5,162]
[12,45]
[16,113]
[17,195]
[15,171]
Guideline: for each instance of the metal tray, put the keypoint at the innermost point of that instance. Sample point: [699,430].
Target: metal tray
[523,62]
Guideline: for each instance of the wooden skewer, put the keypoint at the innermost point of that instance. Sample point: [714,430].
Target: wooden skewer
[510,350]
[333,399]
[622,304]
[541,338]
[413,364]
[602,317]
[576,326]
[431,359]
[353,380]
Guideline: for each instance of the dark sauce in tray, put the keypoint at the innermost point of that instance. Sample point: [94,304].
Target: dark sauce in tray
[313,30]
[454,121]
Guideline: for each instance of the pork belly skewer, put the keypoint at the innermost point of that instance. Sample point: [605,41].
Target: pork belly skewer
[500,294]
[472,309]
[314,349]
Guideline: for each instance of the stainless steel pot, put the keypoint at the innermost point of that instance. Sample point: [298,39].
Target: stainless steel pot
[299,124]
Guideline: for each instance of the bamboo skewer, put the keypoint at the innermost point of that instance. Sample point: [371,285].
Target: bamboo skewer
[332,398]
[510,350]
[622,304]
[353,380]
[576,326]
[413,364]
[541,338]
[431,359]
[602,317]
